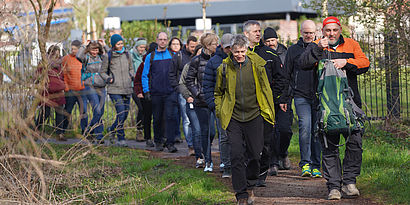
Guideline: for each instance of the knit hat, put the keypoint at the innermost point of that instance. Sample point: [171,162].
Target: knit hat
[76,43]
[269,33]
[140,42]
[331,19]
[114,39]
[226,40]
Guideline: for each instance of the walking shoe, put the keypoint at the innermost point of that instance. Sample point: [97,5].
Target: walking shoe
[316,173]
[121,143]
[171,148]
[251,197]
[334,194]
[227,173]
[209,167]
[199,163]
[306,172]
[243,201]
[149,143]
[273,171]
[260,183]
[159,147]
[140,136]
[222,167]
[191,151]
[350,190]
[286,163]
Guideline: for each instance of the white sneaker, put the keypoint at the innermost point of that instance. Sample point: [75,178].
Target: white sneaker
[350,190]
[199,163]
[334,194]
[209,167]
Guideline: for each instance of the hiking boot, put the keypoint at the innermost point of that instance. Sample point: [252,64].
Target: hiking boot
[191,151]
[334,194]
[159,147]
[316,173]
[260,183]
[209,167]
[61,137]
[149,143]
[243,201]
[251,197]
[306,172]
[273,171]
[227,173]
[199,163]
[171,148]
[286,163]
[350,190]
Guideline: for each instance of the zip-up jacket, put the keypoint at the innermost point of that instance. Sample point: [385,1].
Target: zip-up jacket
[302,82]
[72,73]
[121,70]
[155,77]
[357,62]
[178,62]
[137,78]
[281,50]
[209,80]
[274,70]
[182,87]
[93,68]
[225,95]
[195,77]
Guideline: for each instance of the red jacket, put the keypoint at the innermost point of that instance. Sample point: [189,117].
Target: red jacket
[53,95]
[137,79]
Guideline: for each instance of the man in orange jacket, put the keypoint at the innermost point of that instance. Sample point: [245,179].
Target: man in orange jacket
[347,55]
[74,86]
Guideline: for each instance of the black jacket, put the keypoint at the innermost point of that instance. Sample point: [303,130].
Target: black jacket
[302,82]
[178,62]
[281,50]
[210,76]
[195,76]
[275,71]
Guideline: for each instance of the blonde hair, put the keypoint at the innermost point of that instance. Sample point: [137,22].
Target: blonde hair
[207,38]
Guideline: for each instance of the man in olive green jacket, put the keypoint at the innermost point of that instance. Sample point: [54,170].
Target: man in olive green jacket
[243,100]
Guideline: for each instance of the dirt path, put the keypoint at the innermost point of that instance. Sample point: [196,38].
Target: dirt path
[286,188]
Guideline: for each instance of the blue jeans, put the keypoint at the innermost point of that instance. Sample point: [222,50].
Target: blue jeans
[196,131]
[310,147]
[96,96]
[168,105]
[186,126]
[122,107]
[207,126]
[224,145]
[72,98]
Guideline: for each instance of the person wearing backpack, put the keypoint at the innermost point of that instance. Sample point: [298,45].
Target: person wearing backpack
[120,84]
[94,79]
[346,55]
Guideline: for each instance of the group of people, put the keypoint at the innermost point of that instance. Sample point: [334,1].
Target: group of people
[240,87]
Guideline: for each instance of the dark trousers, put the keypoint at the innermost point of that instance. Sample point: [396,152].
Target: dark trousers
[165,106]
[72,98]
[268,133]
[246,139]
[283,133]
[140,113]
[45,113]
[147,109]
[352,162]
[122,107]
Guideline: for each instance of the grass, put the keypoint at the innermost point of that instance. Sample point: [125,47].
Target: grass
[124,176]
[385,173]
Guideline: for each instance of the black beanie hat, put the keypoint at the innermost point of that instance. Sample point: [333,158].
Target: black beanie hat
[76,43]
[269,33]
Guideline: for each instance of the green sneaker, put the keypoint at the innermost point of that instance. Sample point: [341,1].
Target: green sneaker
[316,173]
[306,172]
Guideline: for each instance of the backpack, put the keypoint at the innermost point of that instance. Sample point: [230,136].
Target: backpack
[84,75]
[338,114]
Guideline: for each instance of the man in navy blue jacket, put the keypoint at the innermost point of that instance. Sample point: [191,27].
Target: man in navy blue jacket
[209,87]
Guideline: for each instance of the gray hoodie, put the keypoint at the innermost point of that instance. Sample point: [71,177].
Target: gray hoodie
[121,70]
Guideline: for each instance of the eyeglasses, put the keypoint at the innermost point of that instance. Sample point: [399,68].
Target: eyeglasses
[308,33]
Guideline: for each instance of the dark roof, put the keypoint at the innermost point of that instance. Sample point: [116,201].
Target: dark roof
[234,11]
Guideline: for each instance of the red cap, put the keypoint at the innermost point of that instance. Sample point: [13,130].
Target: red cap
[331,19]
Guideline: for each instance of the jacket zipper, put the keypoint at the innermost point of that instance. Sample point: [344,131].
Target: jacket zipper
[241,83]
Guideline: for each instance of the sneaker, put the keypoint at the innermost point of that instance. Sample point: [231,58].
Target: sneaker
[273,171]
[350,190]
[209,167]
[316,173]
[199,163]
[334,194]
[260,183]
[286,163]
[251,197]
[227,173]
[243,201]
[149,143]
[121,143]
[191,151]
[306,172]
[171,148]
[159,147]
[222,167]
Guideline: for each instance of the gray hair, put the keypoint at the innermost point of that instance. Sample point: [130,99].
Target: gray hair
[248,24]
[239,40]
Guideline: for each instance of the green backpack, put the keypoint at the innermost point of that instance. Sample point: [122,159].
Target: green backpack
[338,114]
